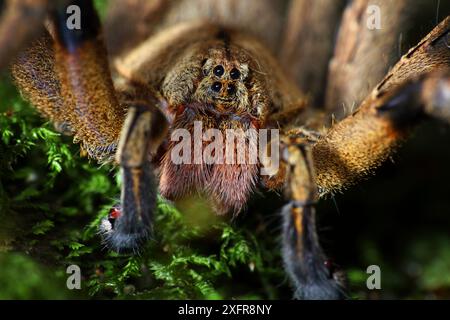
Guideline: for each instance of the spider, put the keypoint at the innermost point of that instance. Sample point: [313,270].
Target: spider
[173,63]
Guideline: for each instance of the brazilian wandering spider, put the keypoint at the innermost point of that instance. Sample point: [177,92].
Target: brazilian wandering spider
[173,64]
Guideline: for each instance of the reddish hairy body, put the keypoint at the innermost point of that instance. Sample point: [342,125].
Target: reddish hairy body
[178,66]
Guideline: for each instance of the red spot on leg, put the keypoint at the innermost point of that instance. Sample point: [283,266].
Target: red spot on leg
[114,213]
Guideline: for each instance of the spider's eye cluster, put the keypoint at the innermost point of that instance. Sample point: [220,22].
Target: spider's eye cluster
[219,71]
[224,82]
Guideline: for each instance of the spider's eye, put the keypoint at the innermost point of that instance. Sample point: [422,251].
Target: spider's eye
[216,86]
[219,70]
[235,74]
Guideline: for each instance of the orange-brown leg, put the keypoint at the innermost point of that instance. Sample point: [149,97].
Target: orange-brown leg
[92,107]
[416,87]
[144,130]
[68,79]
[311,273]
[98,117]
[34,74]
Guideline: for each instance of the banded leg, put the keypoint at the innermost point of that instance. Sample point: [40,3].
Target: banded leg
[130,224]
[81,64]
[416,87]
[304,259]
[68,79]
[87,87]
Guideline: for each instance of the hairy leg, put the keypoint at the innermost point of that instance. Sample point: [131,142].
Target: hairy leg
[144,130]
[417,87]
[305,262]
[93,110]
[414,88]
[67,78]
[34,74]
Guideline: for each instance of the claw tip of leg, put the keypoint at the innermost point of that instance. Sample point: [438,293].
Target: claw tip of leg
[123,242]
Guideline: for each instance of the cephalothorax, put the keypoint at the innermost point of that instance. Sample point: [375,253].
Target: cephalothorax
[175,64]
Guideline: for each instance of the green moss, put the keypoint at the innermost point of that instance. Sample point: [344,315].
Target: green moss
[23,278]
